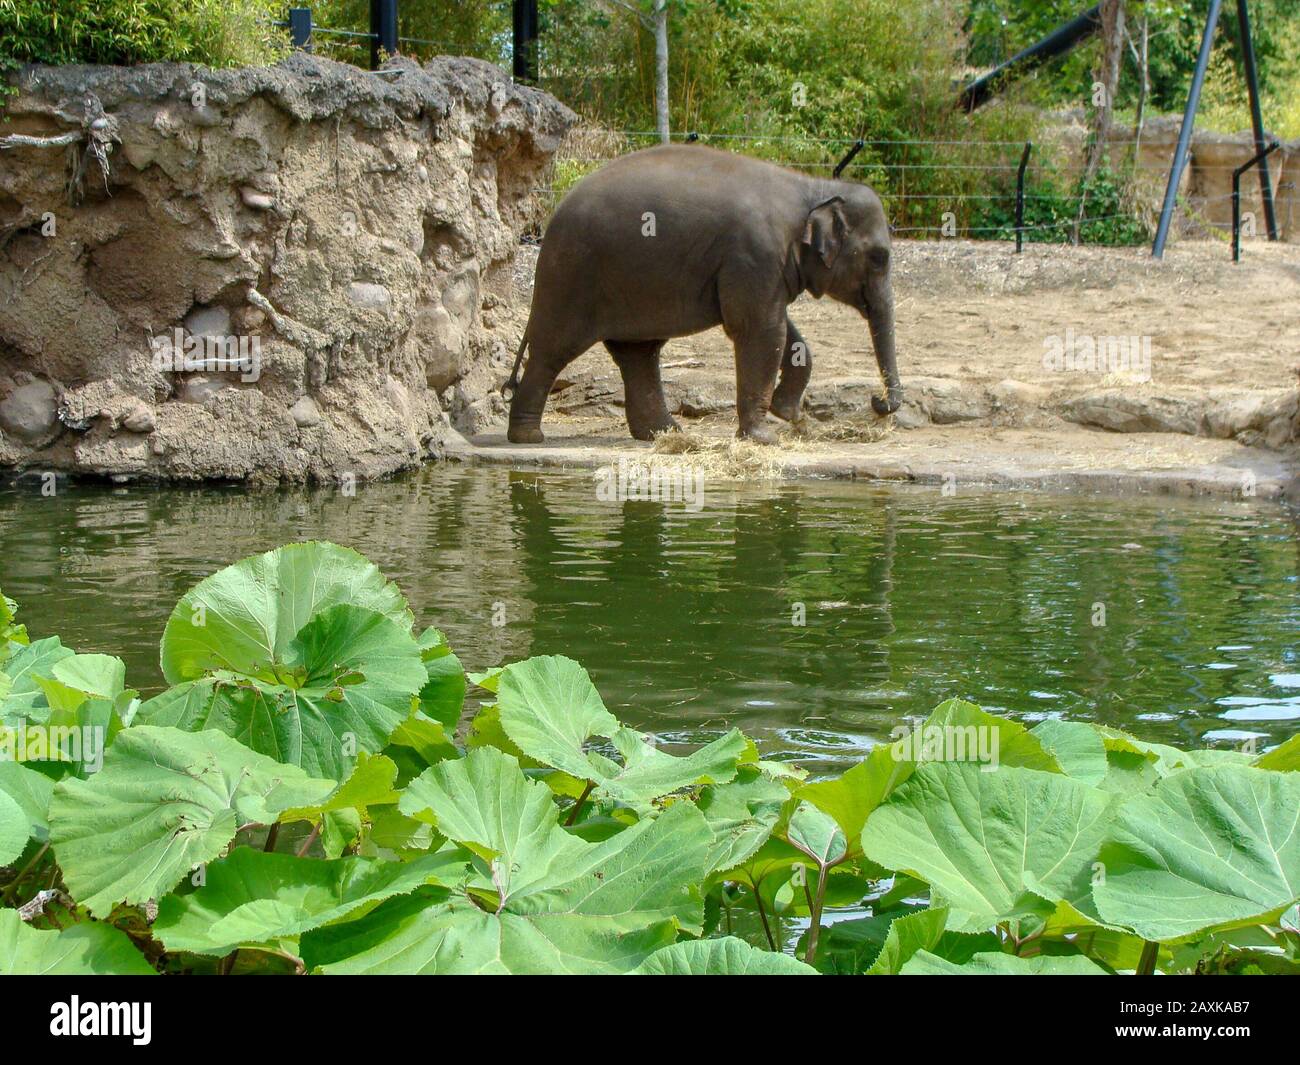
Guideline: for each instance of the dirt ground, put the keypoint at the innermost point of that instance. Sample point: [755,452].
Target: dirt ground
[973,326]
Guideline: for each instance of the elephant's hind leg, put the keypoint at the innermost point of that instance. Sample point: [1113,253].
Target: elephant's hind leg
[796,370]
[643,390]
[545,361]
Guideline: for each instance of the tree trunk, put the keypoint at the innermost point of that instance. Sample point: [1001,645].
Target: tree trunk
[1144,85]
[661,69]
[1112,49]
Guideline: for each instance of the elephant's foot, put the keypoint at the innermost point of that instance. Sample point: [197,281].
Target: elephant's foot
[759,434]
[886,406]
[787,408]
[648,429]
[525,434]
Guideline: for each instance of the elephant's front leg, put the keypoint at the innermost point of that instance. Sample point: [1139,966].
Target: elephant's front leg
[759,349]
[796,370]
[643,390]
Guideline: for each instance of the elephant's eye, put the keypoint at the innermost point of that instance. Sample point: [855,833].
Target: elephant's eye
[878,257]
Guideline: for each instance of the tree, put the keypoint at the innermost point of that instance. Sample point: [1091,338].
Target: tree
[1104,87]
[653,17]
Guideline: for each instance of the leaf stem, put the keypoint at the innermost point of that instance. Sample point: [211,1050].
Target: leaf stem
[11,892]
[814,929]
[582,799]
[272,837]
[306,844]
[762,916]
[1147,962]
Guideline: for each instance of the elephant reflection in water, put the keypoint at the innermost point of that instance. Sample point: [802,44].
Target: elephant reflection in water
[686,619]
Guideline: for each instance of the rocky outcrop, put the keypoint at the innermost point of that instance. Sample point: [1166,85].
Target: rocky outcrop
[1206,185]
[268,273]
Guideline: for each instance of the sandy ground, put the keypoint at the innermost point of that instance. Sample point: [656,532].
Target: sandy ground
[974,322]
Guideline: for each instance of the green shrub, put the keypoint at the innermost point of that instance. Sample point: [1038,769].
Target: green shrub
[1051,209]
[218,33]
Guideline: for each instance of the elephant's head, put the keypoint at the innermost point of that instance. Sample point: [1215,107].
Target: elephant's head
[845,253]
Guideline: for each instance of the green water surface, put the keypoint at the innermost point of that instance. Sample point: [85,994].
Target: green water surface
[816,617]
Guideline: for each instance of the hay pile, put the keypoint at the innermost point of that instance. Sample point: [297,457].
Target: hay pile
[866,429]
[731,459]
[727,459]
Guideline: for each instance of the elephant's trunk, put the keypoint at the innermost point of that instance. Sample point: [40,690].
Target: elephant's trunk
[880,315]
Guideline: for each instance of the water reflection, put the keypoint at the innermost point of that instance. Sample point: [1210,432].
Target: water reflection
[816,617]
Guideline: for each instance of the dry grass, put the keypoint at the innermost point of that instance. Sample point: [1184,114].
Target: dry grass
[727,459]
[852,430]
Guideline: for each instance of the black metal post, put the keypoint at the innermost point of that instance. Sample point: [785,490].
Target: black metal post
[848,158]
[383,30]
[1256,118]
[525,40]
[1185,132]
[1020,194]
[1060,40]
[1262,160]
[300,27]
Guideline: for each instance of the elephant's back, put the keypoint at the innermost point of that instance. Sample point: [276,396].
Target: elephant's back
[682,195]
[681,174]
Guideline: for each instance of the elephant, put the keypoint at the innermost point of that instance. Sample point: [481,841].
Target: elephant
[675,239]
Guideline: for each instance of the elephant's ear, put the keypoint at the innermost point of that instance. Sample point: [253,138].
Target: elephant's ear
[824,230]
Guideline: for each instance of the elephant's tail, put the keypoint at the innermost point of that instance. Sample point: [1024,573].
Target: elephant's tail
[512,383]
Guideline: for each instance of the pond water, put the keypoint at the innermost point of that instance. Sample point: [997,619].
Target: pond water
[817,617]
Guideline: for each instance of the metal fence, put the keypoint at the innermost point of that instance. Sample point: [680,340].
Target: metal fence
[382,37]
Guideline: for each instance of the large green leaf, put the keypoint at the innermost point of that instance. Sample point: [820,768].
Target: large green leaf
[1163,758]
[86,699]
[720,957]
[92,675]
[459,938]
[1076,746]
[539,898]
[88,949]
[955,731]
[1285,757]
[347,681]
[741,814]
[984,840]
[24,700]
[816,834]
[31,791]
[371,784]
[1207,847]
[255,899]
[244,617]
[165,802]
[15,829]
[923,963]
[12,635]
[909,934]
[550,709]
[879,945]
[443,696]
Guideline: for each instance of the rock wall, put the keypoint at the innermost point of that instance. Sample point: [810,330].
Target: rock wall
[283,273]
[1207,179]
